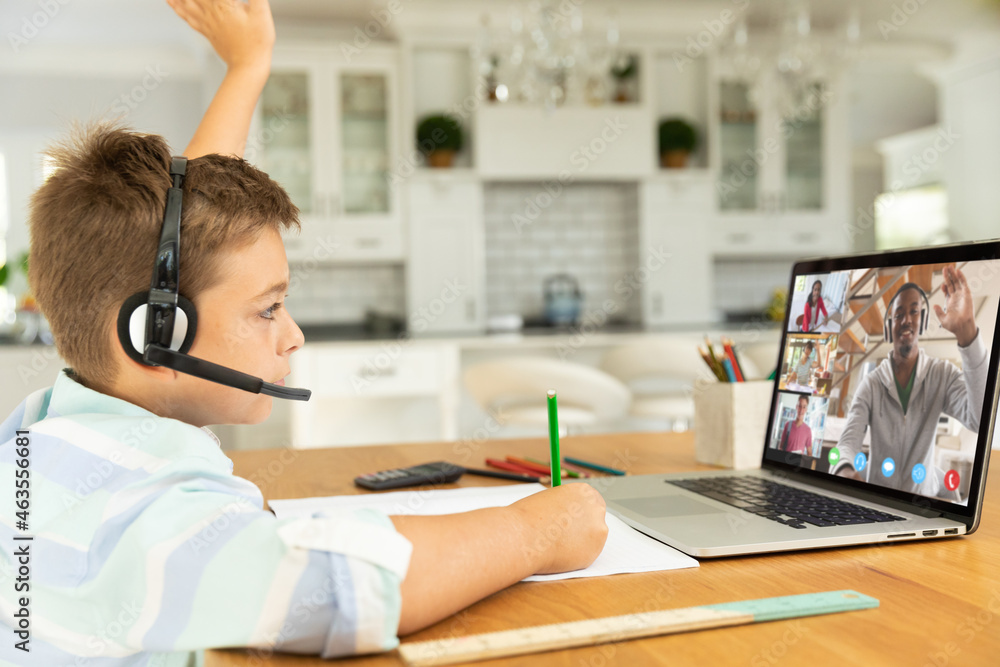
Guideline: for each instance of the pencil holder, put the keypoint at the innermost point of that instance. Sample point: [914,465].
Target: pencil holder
[730,422]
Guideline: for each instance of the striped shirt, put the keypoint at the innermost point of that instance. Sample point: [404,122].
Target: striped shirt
[146,548]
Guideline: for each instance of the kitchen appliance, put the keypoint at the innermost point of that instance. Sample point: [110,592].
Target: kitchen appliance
[563,300]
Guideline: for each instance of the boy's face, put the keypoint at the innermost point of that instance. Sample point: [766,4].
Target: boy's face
[242,324]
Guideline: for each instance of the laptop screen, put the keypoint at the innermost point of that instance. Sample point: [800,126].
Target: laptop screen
[885,375]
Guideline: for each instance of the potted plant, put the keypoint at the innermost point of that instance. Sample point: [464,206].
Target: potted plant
[624,71]
[677,139]
[439,137]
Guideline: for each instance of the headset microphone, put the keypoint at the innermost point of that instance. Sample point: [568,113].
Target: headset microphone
[157,328]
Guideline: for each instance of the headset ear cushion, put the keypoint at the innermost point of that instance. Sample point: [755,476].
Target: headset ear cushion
[131,326]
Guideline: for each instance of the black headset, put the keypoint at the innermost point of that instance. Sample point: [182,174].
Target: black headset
[887,327]
[157,328]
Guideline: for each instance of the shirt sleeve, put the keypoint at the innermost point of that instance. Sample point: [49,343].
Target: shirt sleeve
[858,419]
[966,390]
[199,564]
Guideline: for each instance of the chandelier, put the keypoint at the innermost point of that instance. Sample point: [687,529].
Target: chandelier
[544,55]
[789,62]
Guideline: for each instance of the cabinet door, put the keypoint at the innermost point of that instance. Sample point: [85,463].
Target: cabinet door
[676,250]
[772,157]
[365,205]
[285,143]
[445,269]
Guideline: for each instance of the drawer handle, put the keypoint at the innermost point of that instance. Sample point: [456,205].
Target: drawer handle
[368,242]
[806,237]
[742,237]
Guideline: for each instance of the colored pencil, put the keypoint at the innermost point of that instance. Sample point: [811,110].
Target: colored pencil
[736,360]
[565,471]
[593,466]
[554,458]
[711,366]
[731,356]
[728,365]
[512,476]
[512,467]
[539,468]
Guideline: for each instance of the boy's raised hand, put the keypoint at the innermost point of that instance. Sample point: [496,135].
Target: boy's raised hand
[241,33]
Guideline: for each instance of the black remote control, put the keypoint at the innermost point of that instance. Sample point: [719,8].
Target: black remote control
[439,472]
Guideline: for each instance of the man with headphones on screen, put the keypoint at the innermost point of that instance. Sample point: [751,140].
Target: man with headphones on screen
[902,399]
[151,549]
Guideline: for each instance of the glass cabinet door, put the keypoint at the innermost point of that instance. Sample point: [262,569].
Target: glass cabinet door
[364,132]
[738,141]
[804,154]
[285,137]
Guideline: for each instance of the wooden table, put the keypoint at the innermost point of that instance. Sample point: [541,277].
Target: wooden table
[940,600]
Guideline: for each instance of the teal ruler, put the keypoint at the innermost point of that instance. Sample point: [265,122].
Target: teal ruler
[631,626]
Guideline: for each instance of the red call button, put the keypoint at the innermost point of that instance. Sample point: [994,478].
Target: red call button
[951,479]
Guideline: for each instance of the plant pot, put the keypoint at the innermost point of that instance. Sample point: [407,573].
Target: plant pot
[441,159]
[675,159]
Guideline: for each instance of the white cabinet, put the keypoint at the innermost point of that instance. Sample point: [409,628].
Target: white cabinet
[568,143]
[328,131]
[445,276]
[371,393]
[675,251]
[783,183]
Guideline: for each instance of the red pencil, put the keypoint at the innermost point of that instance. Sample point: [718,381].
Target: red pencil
[512,467]
[535,467]
[728,347]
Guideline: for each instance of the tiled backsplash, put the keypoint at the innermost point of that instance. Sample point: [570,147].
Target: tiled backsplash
[342,294]
[590,231]
[747,285]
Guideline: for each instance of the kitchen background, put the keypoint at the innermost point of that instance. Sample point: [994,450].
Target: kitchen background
[822,128]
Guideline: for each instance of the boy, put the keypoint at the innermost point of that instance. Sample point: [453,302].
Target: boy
[145,546]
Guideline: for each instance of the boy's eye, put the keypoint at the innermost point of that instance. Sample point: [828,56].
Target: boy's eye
[268,314]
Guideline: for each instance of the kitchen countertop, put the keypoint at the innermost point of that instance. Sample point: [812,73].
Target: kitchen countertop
[542,336]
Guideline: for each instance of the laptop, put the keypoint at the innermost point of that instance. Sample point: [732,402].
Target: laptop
[843,463]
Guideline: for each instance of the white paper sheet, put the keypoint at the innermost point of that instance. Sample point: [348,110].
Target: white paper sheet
[627,550]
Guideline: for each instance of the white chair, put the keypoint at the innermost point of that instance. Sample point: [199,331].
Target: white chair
[660,374]
[513,390]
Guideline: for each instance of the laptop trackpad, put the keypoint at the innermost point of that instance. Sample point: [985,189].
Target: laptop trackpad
[673,505]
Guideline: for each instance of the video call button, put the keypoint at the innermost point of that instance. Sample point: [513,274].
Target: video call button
[888,467]
[952,479]
[833,456]
[919,473]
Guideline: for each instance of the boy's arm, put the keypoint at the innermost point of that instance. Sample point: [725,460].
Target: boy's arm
[243,36]
[458,559]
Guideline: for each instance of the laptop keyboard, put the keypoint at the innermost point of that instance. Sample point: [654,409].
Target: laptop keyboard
[784,504]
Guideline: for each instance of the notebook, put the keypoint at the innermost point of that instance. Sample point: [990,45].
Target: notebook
[881,418]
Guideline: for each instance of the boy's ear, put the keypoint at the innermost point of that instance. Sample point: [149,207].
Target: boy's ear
[131,326]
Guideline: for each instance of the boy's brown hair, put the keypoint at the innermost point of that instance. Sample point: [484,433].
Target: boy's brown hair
[95,225]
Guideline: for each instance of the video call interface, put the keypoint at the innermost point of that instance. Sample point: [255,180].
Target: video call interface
[883,375]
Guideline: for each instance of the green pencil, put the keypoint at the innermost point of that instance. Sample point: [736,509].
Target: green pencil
[554,459]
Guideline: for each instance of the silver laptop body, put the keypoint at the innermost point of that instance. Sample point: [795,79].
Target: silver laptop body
[928,503]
